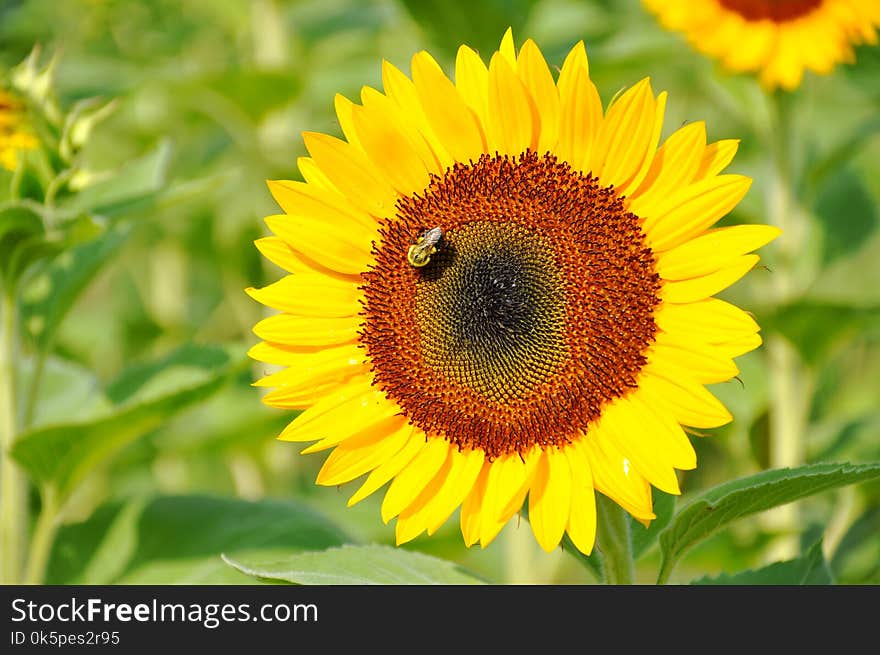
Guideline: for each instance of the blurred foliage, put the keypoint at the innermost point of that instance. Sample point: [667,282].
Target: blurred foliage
[135,229]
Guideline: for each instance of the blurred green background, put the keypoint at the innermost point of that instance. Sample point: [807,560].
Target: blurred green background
[211,99]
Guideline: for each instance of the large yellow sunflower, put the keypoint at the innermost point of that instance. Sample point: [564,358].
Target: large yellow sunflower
[498,290]
[778,39]
[13,136]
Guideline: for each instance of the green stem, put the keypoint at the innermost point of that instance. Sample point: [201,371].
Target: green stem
[614,542]
[665,571]
[13,492]
[44,535]
[787,375]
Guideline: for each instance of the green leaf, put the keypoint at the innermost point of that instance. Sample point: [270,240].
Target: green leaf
[733,500]
[857,557]
[179,540]
[853,279]
[480,25]
[815,328]
[358,565]
[68,392]
[49,299]
[61,455]
[20,225]
[641,537]
[809,569]
[847,213]
[130,187]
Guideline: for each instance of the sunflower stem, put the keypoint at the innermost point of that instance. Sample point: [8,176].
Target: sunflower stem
[13,493]
[788,388]
[614,542]
[44,536]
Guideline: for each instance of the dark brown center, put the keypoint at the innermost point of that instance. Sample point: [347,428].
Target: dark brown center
[779,11]
[534,312]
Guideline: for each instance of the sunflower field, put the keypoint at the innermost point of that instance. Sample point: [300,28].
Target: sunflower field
[440,292]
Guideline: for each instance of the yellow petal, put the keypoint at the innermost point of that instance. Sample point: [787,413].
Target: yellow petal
[550,498]
[710,320]
[621,422]
[697,288]
[716,158]
[740,346]
[466,467]
[687,400]
[472,82]
[310,294]
[633,183]
[454,482]
[514,125]
[665,432]
[705,363]
[390,151]
[580,111]
[472,508]
[274,353]
[346,411]
[411,127]
[615,476]
[535,74]
[329,365]
[581,526]
[301,199]
[713,250]
[344,108]
[692,210]
[625,135]
[402,91]
[411,522]
[364,452]
[306,331]
[410,482]
[508,48]
[676,162]
[384,472]
[509,480]
[375,428]
[276,250]
[342,247]
[352,173]
[314,176]
[454,123]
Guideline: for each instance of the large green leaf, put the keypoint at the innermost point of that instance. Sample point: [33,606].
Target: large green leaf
[145,398]
[643,538]
[809,569]
[129,188]
[733,500]
[179,540]
[53,296]
[857,557]
[68,392]
[359,565]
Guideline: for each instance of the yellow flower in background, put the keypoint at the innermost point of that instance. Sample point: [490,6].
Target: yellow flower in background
[14,136]
[499,290]
[778,39]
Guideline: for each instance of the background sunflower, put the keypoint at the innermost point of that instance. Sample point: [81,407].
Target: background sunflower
[139,332]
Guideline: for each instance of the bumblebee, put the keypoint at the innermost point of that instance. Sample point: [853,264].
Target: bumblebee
[419,254]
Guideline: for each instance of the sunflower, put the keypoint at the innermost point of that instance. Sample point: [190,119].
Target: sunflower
[499,291]
[777,38]
[13,136]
